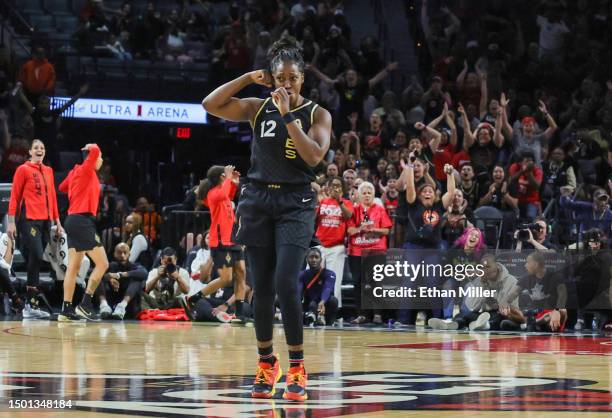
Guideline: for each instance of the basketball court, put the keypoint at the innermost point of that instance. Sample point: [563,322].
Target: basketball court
[194,369]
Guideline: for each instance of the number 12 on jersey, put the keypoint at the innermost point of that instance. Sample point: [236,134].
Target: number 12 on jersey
[267,131]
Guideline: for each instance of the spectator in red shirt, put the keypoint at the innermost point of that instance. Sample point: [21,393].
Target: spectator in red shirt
[228,258]
[527,178]
[37,75]
[368,230]
[333,215]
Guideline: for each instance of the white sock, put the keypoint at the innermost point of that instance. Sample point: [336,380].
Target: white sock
[104,303]
[123,304]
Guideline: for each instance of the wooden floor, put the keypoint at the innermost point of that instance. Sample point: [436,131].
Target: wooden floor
[187,369]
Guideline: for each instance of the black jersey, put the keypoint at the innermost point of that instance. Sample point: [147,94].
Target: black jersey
[274,157]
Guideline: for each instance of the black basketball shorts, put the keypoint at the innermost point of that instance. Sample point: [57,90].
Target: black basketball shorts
[275,214]
[81,232]
[226,255]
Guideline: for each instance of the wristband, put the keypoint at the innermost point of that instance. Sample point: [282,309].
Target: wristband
[288,118]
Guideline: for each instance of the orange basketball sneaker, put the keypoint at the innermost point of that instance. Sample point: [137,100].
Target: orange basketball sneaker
[267,376]
[296,384]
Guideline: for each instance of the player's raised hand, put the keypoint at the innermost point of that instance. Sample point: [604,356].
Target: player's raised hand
[229,171]
[262,77]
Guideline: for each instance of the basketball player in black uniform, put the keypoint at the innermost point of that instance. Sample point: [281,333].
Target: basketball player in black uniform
[276,211]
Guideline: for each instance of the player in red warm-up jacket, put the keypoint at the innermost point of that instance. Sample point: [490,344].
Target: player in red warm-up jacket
[83,189]
[228,258]
[33,205]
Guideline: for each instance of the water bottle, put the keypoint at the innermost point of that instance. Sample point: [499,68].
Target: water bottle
[7,304]
[16,88]
[595,323]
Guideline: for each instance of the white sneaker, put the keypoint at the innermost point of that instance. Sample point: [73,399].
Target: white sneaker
[222,316]
[447,324]
[277,315]
[420,319]
[119,312]
[105,311]
[29,312]
[481,323]
[579,325]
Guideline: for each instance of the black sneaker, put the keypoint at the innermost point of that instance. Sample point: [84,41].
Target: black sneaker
[188,307]
[69,315]
[242,320]
[17,306]
[87,313]
[42,300]
[509,325]
[309,318]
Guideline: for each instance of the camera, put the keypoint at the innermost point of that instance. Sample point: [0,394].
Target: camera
[170,269]
[416,155]
[523,232]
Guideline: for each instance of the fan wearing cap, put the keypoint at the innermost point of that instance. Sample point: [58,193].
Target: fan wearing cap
[527,178]
[590,215]
[526,138]
[483,145]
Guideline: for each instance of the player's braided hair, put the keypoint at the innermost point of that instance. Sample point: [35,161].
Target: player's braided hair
[285,49]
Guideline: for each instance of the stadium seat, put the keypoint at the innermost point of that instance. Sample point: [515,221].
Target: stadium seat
[66,23]
[77,6]
[115,4]
[57,7]
[489,220]
[44,23]
[30,6]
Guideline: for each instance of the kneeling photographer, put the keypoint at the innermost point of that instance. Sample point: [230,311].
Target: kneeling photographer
[166,283]
[533,236]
